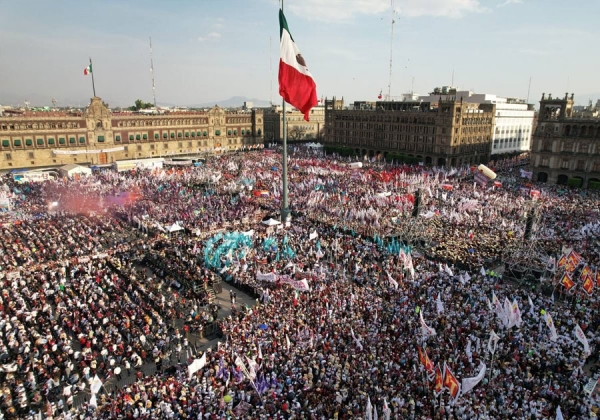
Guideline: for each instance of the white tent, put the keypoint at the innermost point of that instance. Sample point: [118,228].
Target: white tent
[174,228]
[72,169]
[271,222]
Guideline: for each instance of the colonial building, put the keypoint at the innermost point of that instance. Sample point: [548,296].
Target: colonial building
[298,128]
[447,132]
[566,144]
[513,123]
[99,136]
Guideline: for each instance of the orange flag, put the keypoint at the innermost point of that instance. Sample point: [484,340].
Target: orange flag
[588,285]
[567,282]
[439,381]
[425,361]
[451,383]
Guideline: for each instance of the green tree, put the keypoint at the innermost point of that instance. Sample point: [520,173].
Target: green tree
[139,104]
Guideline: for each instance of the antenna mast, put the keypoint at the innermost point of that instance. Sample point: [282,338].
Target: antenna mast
[389,95]
[271,71]
[528,89]
[152,73]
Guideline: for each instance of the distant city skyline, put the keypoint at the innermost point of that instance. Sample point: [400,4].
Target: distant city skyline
[208,51]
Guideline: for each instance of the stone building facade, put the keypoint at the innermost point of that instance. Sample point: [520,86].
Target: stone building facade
[98,136]
[298,128]
[444,133]
[566,144]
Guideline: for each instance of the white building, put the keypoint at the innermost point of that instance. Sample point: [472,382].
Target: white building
[513,122]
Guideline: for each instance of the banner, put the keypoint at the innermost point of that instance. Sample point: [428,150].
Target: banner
[469,383]
[301,285]
[196,365]
[266,277]
[87,151]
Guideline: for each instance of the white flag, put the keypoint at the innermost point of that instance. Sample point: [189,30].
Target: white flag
[426,330]
[440,305]
[386,410]
[196,365]
[95,385]
[582,339]
[559,415]
[531,308]
[448,270]
[482,271]
[287,342]
[550,324]
[493,342]
[469,383]
[369,409]
[392,281]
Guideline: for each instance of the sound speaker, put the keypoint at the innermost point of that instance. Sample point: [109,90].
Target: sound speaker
[415,211]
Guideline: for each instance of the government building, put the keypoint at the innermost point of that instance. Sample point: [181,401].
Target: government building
[98,136]
[566,143]
[447,132]
[297,127]
[513,123]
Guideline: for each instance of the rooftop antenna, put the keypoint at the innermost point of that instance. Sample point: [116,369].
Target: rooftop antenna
[452,83]
[271,71]
[389,94]
[528,89]
[152,73]
[412,86]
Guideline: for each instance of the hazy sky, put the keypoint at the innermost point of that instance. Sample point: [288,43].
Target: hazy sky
[209,50]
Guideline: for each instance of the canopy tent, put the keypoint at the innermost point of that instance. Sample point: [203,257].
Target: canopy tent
[271,222]
[73,170]
[174,228]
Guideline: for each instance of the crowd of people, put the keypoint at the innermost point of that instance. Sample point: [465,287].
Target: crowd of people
[378,266]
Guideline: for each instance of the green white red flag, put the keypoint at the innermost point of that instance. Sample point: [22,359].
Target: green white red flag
[296,84]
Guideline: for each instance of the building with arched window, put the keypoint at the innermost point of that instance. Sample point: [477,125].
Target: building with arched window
[99,136]
[441,133]
[566,144]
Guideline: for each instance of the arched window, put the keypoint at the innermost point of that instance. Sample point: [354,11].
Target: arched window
[98,124]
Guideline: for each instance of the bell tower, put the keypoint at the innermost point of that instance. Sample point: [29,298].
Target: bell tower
[555,109]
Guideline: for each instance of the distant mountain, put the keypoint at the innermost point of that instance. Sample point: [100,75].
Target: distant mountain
[233,102]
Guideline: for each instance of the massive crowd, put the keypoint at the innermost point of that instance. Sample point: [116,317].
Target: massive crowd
[95,280]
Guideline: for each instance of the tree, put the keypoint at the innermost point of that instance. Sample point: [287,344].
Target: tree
[139,104]
[297,132]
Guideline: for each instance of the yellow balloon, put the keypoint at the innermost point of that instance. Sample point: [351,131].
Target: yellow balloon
[543,312]
[227,398]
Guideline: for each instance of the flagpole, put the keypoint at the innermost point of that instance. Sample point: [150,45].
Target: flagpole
[285,211]
[93,85]
[491,368]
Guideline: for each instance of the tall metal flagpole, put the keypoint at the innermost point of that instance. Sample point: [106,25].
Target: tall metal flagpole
[93,85]
[285,211]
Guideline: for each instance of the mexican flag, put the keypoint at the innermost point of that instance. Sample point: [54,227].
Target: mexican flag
[87,70]
[296,84]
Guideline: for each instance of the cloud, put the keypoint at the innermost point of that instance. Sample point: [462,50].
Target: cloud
[347,10]
[209,36]
[507,2]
